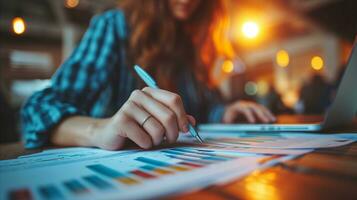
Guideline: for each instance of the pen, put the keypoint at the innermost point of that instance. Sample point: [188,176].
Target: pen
[151,83]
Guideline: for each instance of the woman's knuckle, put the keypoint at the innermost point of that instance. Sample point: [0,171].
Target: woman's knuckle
[169,118]
[159,131]
[175,100]
[136,93]
[146,89]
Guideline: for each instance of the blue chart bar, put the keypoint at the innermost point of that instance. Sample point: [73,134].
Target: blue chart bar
[111,173]
[202,155]
[173,152]
[50,192]
[152,162]
[148,167]
[75,186]
[203,162]
[205,150]
[215,158]
[195,152]
[98,182]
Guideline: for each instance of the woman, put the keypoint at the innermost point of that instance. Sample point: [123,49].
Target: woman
[94,98]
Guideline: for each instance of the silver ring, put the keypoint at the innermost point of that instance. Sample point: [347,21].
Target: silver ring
[146,119]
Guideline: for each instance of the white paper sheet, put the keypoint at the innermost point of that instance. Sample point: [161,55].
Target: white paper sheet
[280,141]
[88,173]
[77,173]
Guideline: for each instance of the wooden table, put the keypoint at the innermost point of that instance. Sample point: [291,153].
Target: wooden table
[323,174]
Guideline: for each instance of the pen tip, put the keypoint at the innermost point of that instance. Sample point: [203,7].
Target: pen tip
[199,139]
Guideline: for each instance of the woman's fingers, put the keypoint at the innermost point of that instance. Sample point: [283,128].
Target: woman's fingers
[155,130]
[136,134]
[230,115]
[192,120]
[248,114]
[251,111]
[172,101]
[163,114]
[260,115]
[268,113]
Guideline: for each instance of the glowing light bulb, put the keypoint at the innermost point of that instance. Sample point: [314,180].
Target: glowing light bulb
[317,63]
[282,58]
[250,29]
[227,66]
[18,25]
[71,3]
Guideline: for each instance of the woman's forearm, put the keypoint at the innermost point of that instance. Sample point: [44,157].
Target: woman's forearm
[76,131]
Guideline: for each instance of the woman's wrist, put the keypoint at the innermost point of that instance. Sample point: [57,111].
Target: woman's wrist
[94,131]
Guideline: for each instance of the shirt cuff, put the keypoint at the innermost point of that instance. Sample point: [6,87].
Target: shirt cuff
[216,114]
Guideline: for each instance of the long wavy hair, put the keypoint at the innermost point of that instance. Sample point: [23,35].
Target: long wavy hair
[164,45]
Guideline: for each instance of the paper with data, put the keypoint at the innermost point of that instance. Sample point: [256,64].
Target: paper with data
[89,173]
[83,173]
[279,141]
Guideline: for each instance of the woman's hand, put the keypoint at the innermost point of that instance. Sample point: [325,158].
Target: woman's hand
[146,118]
[252,112]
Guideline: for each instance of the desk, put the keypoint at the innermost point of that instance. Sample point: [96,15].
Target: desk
[323,174]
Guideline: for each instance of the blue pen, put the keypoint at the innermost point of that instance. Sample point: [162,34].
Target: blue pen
[151,83]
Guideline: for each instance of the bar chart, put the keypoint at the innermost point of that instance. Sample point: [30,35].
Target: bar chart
[109,176]
[89,173]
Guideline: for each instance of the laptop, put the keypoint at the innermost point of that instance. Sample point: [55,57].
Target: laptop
[340,114]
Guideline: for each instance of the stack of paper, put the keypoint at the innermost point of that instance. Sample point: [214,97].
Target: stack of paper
[83,173]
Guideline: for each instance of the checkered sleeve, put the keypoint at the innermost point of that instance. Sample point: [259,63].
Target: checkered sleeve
[215,114]
[77,84]
[216,106]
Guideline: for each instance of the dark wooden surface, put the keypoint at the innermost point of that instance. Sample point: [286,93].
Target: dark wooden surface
[322,174]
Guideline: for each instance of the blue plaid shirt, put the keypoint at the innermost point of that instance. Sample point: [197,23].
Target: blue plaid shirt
[96,81]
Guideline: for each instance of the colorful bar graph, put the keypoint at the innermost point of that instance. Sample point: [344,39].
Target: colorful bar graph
[152,161]
[111,173]
[205,150]
[200,155]
[98,182]
[23,194]
[50,192]
[184,158]
[75,187]
[106,171]
[210,154]
[161,164]
[156,170]
[182,153]
[179,168]
[190,164]
[143,174]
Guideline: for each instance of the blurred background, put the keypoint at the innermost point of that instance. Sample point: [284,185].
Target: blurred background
[288,54]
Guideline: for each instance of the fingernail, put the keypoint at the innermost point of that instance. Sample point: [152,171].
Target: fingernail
[185,128]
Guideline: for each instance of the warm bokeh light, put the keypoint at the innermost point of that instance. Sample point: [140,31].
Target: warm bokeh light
[282,58]
[227,66]
[18,25]
[250,29]
[251,88]
[71,3]
[263,88]
[261,185]
[290,98]
[317,63]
